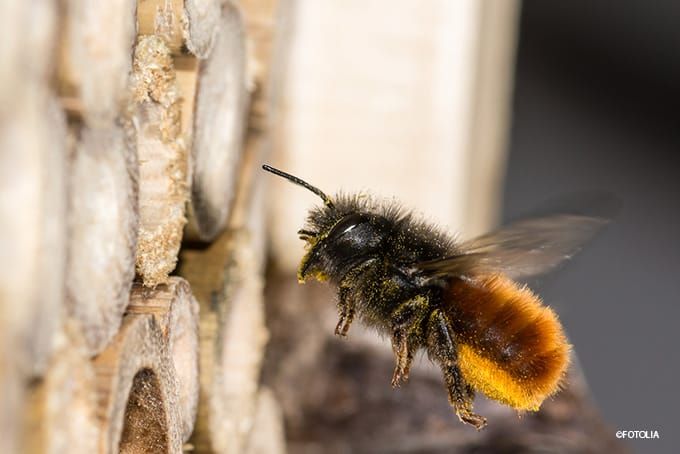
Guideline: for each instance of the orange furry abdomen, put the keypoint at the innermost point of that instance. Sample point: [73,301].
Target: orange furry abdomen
[510,346]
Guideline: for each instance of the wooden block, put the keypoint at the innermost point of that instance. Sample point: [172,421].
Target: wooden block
[60,412]
[95,58]
[103,221]
[33,228]
[176,312]
[185,25]
[384,99]
[262,21]
[218,127]
[163,160]
[137,407]
[29,31]
[226,278]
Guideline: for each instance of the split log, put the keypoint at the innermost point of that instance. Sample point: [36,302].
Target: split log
[103,219]
[184,25]
[176,312]
[60,412]
[218,127]
[163,160]
[226,278]
[96,58]
[137,406]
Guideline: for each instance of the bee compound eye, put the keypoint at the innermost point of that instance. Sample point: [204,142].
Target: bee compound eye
[347,224]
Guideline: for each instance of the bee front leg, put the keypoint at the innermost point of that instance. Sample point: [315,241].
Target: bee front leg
[346,303]
[345,310]
[441,347]
[407,335]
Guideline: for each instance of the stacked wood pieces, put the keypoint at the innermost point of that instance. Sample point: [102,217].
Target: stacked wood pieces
[218,126]
[123,125]
[227,279]
[32,207]
[176,312]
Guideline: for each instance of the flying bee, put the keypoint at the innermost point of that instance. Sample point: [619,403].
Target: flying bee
[457,300]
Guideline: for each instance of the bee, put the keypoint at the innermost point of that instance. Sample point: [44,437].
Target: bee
[459,301]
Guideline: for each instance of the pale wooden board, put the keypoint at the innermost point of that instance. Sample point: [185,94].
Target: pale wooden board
[383,96]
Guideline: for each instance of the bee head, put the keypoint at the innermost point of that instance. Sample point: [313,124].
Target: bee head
[341,235]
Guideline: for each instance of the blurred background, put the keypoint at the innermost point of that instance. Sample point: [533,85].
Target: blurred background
[594,107]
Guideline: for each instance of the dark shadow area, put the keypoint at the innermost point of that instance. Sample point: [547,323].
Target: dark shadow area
[597,91]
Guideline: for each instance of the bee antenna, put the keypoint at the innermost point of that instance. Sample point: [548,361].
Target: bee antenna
[299,182]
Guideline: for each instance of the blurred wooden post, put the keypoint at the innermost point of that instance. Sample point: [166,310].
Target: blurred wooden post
[394,98]
[32,201]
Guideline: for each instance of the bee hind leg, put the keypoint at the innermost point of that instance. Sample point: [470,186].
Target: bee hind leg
[407,335]
[441,348]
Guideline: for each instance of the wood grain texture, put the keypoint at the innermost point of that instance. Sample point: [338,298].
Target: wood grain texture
[103,221]
[218,127]
[184,25]
[226,278]
[137,389]
[176,312]
[163,160]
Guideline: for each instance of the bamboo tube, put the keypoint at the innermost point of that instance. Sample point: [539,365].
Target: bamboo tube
[103,217]
[176,312]
[185,25]
[136,386]
[66,389]
[218,127]
[96,58]
[163,160]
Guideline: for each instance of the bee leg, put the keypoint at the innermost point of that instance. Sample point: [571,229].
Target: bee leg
[345,301]
[346,311]
[441,348]
[407,334]
[306,234]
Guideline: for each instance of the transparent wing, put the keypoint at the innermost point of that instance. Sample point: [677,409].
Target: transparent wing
[525,248]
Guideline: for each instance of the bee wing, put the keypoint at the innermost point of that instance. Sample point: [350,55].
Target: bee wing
[525,248]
